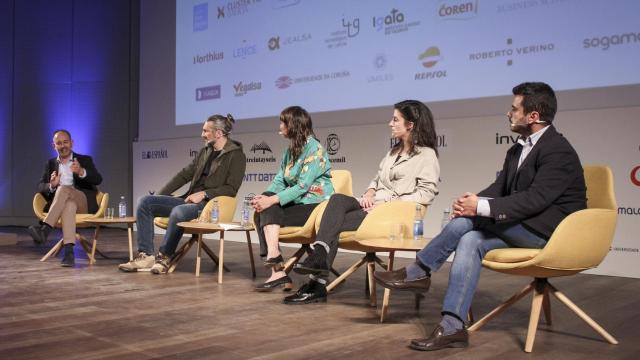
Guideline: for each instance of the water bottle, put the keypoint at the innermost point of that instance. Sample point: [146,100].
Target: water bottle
[446,217]
[215,212]
[246,212]
[122,207]
[418,225]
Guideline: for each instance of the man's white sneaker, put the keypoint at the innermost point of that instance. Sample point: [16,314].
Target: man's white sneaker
[142,262]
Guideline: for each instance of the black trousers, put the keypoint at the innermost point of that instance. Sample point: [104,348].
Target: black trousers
[343,213]
[288,215]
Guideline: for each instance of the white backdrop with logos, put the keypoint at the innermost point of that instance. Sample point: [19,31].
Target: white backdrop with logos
[471,152]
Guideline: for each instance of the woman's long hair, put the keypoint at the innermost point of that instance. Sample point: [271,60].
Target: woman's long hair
[423,132]
[299,128]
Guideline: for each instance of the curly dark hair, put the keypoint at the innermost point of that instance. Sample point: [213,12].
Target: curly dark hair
[423,132]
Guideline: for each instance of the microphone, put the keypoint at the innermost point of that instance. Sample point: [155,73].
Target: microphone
[515,126]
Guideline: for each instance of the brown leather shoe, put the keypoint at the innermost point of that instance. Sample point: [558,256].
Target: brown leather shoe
[437,340]
[397,280]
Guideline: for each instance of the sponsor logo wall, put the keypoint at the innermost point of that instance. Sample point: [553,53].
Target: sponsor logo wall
[363,53]
[471,152]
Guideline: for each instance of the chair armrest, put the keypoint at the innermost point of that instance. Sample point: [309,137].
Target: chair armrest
[226,207]
[581,240]
[39,202]
[103,203]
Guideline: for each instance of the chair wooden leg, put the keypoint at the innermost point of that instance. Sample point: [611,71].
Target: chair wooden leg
[130,234]
[180,253]
[380,262]
[253,265]
[387,292]
[534,318]
[221,256]
[288,265]
[198,254]
[54,251]
[546,306]
[213,256]
[373,300]
[346,274]
[88,248]
[372,258]
[367,291]
[94,243]
[498,310]
[470,316]
[594,325]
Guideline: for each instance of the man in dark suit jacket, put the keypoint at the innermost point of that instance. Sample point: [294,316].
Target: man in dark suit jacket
[69,184]
[541,182]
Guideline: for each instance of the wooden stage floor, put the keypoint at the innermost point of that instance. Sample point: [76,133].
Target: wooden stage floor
[97,312]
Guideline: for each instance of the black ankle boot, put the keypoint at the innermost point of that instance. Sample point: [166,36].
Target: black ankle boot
[308,293]
[69,259]
[316,263]
[39,233]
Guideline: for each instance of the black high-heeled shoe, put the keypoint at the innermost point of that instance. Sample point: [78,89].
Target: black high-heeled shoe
[275,262]
[270,285]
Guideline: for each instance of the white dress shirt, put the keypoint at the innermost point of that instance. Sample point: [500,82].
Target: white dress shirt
[66,175]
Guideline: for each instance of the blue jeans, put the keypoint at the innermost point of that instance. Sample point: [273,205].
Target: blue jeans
[470,244]
[176,209]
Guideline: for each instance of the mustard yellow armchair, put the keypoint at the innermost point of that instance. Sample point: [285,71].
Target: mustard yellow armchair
[376,224]
[39,202]
[226,208]
[306,234]
[580,242]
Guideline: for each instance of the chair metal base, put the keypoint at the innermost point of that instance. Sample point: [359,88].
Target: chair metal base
[370,260]
[541,289]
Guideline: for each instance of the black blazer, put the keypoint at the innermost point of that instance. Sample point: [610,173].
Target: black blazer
[86,185]
[548,186]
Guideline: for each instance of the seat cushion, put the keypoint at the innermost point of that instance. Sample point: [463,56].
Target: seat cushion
[288,230]
[347,236]
[511,255]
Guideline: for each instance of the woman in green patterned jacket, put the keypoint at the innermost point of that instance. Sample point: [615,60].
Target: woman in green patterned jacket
[302,182]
